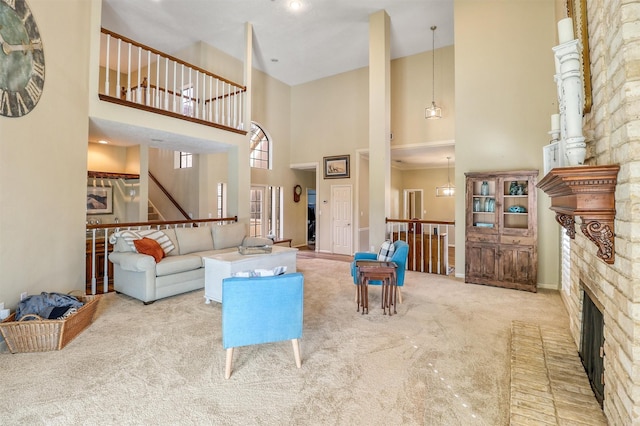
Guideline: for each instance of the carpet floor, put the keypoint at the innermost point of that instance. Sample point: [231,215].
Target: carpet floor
[444,359]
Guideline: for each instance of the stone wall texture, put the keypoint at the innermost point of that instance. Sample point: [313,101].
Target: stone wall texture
[612,129]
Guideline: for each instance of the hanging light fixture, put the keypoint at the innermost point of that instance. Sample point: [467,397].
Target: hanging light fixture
[433,111]
[448,190]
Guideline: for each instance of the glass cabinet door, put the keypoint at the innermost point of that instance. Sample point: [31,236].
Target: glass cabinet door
[515,208]
[483,203]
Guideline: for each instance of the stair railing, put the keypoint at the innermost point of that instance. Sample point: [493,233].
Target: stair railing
[169,197]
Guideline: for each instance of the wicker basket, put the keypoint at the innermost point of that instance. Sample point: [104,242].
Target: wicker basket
[47,335]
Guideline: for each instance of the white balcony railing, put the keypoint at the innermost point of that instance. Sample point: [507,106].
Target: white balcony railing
[428,241]
[135,73]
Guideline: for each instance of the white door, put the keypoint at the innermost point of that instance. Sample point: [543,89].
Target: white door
[342,212]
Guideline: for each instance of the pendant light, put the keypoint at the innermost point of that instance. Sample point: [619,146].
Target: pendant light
[433,112]
[448,190]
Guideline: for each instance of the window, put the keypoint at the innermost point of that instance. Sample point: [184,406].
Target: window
[266,212]
[187,101]
[182,160]
[222,200]
[255,210]
[260,150]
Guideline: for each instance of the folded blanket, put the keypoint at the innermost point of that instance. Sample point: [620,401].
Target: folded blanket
[41,304]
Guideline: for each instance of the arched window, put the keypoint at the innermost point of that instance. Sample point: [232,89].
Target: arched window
[260,150]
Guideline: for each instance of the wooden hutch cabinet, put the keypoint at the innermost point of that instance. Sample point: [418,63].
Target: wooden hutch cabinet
[501,229]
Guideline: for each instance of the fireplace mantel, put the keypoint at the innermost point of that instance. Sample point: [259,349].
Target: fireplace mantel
[588,192]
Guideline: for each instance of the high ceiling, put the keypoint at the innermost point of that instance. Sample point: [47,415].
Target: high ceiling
[320,39]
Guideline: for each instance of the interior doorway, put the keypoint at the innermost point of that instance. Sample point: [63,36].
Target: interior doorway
[413,205]
[311,218]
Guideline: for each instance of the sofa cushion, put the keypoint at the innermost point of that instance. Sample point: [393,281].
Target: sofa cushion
[194,239]
[176,264]
[150,248]
[231,235]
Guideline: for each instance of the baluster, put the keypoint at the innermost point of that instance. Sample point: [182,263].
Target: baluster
[105,284]
[241,109]
[106,77]
[210,103]
[196,96]
[203,112]
[139,91]
[217,112]
[175,76]
[166,84]
[147,89]
[93,261]
[118,70]
[229,110]
[182,88]
[190,94]
[129,74]
[156,98]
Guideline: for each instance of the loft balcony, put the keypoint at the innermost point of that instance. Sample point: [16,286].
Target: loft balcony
[141,77]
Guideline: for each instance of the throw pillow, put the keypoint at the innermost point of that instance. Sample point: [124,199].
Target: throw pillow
[149,247]
[386,251]
[129,237]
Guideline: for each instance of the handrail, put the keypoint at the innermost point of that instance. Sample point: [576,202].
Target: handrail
[171,199]
[95,229]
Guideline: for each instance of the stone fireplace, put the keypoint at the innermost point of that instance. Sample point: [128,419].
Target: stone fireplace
[591,347]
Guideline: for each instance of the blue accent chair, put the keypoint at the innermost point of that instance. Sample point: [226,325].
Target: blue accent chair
[400,254]
[261,310]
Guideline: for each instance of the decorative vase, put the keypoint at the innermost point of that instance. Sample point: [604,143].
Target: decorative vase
[484,189]
[489,204]
[513,188]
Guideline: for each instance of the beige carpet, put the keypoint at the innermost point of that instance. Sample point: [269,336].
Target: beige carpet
[442,360]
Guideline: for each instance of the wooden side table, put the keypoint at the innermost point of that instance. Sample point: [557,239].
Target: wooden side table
[369,270]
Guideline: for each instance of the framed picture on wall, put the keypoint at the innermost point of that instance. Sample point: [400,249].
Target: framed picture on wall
[99,200]
[336,167]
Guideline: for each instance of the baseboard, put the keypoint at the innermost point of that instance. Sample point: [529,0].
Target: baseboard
[548,286]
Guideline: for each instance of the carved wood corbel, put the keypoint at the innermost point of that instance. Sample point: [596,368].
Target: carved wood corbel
[588,192]
[568,223]
[602,235]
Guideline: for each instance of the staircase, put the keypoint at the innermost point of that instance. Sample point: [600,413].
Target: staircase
[152,213]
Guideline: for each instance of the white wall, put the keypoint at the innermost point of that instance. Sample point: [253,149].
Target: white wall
[505,95]
[43,164]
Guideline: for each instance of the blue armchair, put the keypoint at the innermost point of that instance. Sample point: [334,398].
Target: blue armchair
[261,310]
[400,253]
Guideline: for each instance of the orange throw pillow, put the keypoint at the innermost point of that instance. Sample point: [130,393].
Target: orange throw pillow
[149,247]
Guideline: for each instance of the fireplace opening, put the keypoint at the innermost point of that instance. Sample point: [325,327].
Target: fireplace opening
[592,345]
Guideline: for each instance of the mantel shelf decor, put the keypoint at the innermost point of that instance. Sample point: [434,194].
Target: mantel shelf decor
[588,192]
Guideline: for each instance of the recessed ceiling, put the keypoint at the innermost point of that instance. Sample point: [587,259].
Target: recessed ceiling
[322,38]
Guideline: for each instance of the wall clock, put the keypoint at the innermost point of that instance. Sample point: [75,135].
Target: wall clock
[297,190]
[21,59]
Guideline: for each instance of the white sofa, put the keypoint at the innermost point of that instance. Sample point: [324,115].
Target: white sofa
[182,269]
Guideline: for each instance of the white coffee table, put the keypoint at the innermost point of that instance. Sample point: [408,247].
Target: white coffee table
[221,266]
